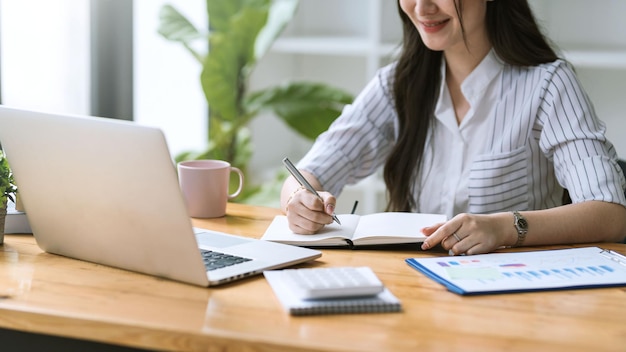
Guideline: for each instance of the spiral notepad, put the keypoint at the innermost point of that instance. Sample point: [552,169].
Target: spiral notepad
[381,303]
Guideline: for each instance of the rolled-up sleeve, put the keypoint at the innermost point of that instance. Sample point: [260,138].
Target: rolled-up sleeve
[359,140]
[574,139]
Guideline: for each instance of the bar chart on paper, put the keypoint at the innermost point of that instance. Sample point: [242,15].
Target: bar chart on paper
[526,271]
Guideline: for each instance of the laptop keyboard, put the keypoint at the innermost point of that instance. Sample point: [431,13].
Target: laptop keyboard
[216,260]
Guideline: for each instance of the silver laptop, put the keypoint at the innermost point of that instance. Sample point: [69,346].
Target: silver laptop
[106,191]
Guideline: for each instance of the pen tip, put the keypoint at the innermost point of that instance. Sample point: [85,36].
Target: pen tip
[336,219]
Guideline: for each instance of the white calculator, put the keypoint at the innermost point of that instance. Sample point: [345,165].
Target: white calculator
[333,282]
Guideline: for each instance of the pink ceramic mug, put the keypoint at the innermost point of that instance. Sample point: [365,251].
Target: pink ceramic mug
[204,184]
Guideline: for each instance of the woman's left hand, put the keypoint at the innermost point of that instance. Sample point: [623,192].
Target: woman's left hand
[471,233]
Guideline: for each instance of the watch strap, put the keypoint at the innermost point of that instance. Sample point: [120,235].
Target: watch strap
[521,225]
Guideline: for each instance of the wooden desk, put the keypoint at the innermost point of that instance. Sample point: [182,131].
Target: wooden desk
[48,294]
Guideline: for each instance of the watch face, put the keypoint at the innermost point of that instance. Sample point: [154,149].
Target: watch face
[522,223]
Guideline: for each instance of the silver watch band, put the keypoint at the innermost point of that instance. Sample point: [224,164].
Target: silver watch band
[521,225]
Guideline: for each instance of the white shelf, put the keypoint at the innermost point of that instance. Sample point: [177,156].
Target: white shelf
[339,46]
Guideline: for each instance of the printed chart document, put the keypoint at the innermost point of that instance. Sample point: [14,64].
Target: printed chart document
[573,268]
[358,230]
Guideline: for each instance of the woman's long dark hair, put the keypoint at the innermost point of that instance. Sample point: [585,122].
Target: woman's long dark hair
[516,39]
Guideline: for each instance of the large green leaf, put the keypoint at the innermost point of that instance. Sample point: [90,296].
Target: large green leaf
[220,12]
[308,108]
[230,57]
[246,26]
[280,14]
[219,77]
[175,27]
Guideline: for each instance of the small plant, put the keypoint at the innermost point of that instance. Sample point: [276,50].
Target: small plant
[7,184]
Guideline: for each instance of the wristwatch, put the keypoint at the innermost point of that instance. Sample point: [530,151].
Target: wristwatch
[521,225]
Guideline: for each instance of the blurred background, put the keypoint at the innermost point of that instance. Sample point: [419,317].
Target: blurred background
[106,58]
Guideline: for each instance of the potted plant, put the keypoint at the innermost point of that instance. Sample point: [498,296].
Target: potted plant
[7,190]
[238,34]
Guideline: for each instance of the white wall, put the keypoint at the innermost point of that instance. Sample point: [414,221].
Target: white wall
[594,25]
[45,55]
[167,88]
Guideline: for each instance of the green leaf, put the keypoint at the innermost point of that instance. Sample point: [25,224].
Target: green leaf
[308,108]
[229,61]
[268,194]
[7,185]
[280,14]
[243,148]
[219,77]
[220,12]
[175,27]
[246,26]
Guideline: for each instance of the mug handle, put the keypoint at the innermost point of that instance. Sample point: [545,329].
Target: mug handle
[236,193]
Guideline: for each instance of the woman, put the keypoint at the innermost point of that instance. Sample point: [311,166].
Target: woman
[480,120]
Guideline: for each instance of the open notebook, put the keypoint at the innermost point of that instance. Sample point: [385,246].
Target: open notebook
[358,230]
[106,191]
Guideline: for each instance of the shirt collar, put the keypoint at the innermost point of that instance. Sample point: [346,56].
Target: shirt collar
[475,84]
[472,87]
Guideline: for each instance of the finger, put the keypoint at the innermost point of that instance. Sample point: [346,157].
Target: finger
[479,246]
[305,227]
[469,245]
[458,246]
[304,221]
[310,201]
[329,202]
[429,230]
[443,236]
[449,242]
[305,214]
[305,202]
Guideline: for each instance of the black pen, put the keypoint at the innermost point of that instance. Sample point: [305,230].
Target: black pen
[356,202]
[298,176]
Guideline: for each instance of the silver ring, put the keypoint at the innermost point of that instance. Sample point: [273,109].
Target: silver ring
[458,239]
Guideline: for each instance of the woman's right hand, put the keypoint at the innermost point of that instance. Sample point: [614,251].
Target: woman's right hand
[306,213]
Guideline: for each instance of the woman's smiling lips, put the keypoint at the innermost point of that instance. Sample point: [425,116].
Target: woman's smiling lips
[433,26]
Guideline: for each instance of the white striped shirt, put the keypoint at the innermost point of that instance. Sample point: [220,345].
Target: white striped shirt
[529,133]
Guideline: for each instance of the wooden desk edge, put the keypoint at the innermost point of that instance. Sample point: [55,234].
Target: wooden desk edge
[148,337]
